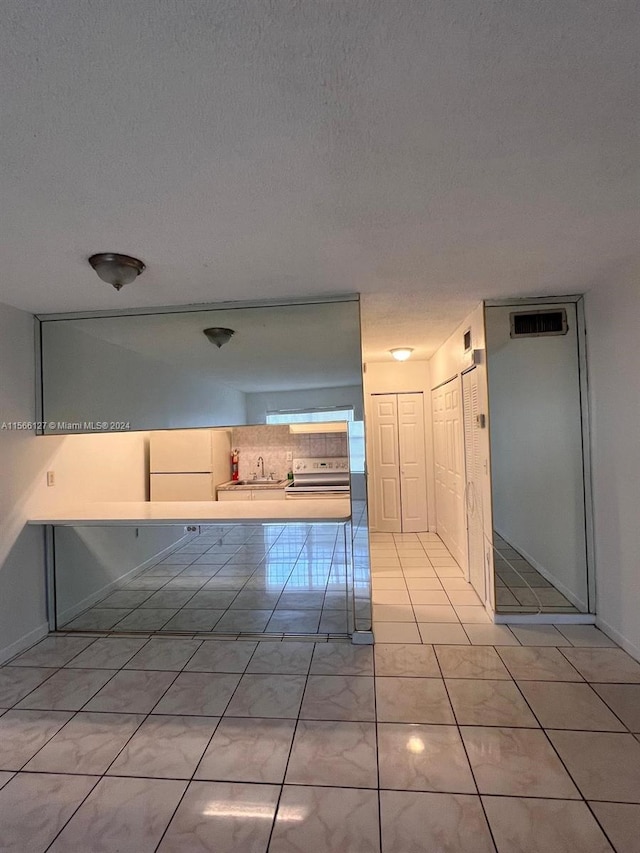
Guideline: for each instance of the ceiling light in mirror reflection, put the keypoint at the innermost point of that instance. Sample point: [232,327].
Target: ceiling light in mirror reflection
[401,353]
[415,745]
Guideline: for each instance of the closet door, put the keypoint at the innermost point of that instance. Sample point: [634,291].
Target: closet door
[413,475]
[473,488]
[386,464]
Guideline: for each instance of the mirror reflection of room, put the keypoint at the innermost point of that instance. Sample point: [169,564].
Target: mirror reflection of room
[539,522]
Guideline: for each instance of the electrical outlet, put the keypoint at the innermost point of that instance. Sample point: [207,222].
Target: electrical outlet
[289,456]
[51,478]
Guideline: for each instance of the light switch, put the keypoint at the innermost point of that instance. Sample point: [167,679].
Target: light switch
[51,478]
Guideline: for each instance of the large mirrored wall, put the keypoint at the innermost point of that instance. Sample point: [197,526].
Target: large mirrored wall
[538,442]
[151,371]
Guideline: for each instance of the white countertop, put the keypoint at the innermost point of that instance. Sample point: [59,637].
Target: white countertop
[141,513]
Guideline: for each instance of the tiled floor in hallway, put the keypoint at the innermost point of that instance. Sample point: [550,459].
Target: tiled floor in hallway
[142,744]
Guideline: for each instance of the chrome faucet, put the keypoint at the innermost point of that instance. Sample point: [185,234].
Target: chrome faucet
[261,462]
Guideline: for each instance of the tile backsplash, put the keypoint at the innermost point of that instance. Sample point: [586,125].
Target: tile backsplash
[273,442]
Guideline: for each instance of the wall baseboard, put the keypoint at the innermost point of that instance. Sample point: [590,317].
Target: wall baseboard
[94,598]
[619,638]
[24,642]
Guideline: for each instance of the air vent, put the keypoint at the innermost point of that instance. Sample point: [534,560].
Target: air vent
[536,324]
[467,340]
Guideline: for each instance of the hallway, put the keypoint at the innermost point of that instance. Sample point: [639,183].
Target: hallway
[143,744]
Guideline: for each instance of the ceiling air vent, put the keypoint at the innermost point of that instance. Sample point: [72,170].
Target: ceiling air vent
[535,324]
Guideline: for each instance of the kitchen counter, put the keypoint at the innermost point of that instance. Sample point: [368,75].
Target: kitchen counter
[142,513]
[232,486]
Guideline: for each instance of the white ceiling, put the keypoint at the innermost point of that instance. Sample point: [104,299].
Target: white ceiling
[426,153]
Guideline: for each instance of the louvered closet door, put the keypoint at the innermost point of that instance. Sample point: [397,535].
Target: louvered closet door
[386,464]
[449,469]
[473,489]
[413,476]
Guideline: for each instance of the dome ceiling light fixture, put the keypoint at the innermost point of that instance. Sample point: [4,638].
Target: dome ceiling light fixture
[219,336]
[401,353]
[116,270]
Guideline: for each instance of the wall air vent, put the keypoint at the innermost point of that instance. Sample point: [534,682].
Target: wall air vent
[536,324]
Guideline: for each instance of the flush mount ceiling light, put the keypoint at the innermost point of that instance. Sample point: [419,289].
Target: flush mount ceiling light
[116,270]
[401,353]
[218,335]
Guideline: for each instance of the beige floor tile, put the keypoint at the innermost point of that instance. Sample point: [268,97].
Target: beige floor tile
[237,816]
[458,584]
[413,822]
[541,826]
[604,665]
[339,697]
[435,613]
[406,659]
[448,571]
[23,733]
[326,820]
[414,584]
[204,693]
[412,700]
[267,696]
[467,597]
[535,663]
[416,572]
[248,750]
[605,766]
[341,659]
[429,596]
[621,822]
[585,635]
[393,613]
[35,806]
[486,702]
[562,705]
[384,583]
[143,807]
[390,596]
[490,635]
[471,662]
[624,701]
[516,762]
[472,615]
[539,635]
[334,753]
[396,632]
[423,758]
[443,632]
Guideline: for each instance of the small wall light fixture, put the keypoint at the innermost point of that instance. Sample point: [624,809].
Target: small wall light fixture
[116,270]
[218,335]
[401,353]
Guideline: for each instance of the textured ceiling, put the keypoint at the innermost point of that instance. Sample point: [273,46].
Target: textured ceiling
[426,153]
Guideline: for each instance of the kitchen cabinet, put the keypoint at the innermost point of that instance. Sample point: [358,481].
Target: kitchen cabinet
[251,495]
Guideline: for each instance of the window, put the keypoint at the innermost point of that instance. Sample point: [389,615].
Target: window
[315,416]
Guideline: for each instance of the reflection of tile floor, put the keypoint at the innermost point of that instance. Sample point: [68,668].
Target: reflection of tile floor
[421,596]
[522,589]
[178,745]
[280,579]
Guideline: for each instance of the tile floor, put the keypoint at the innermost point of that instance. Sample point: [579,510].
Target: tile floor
[142,744]
[522,589]
[420,595]
[262,578]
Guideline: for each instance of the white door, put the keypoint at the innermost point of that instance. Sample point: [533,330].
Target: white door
[449,468]
[413,473]
[386,464]
[473,488]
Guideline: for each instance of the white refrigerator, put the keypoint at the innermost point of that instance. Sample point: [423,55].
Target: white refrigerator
[188,464]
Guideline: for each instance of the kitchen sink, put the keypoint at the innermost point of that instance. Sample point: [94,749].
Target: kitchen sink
[265,482]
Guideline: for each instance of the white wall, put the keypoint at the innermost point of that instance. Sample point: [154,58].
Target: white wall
[536,449]
[22,459]
[613,319]
[400,377]
[87,379]
[258,404]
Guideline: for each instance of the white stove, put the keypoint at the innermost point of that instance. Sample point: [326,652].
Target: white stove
[319,478]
